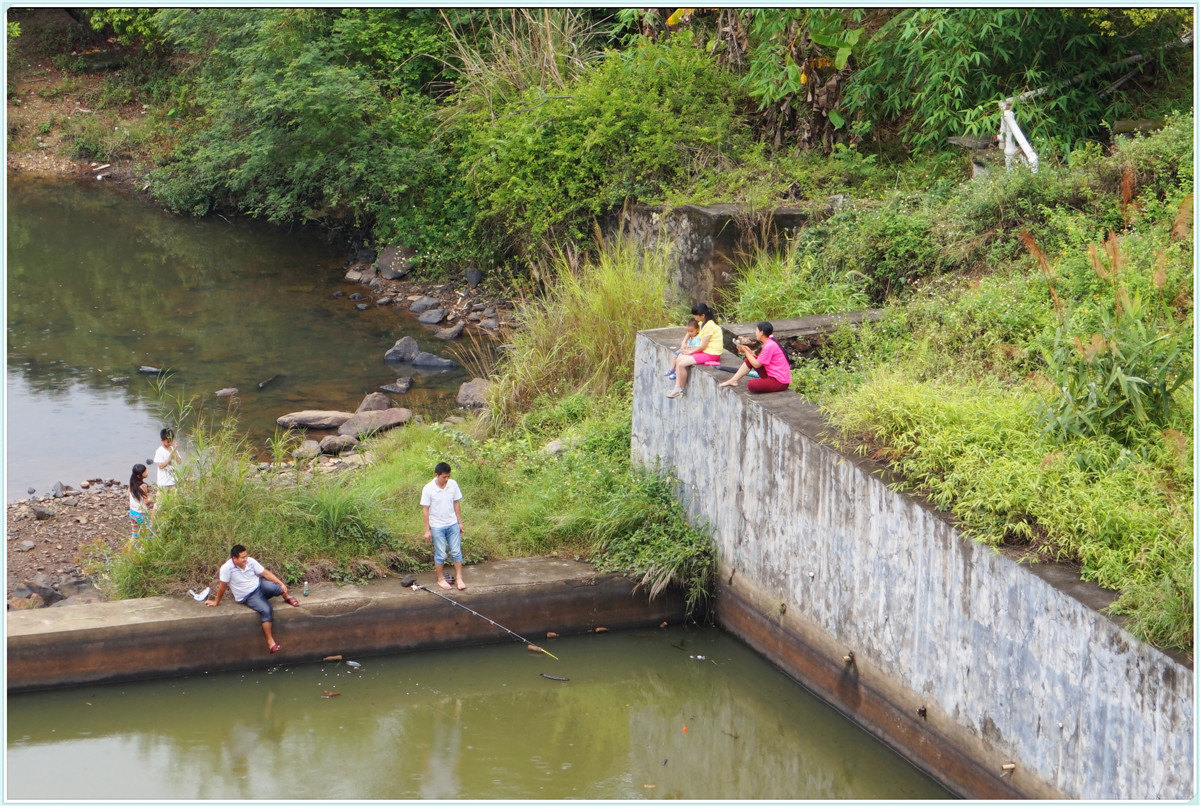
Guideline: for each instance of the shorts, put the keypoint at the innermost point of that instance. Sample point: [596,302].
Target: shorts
[706,358]
[447,540]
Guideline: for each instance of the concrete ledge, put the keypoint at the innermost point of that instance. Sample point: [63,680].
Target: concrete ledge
[165,637]
[820,557]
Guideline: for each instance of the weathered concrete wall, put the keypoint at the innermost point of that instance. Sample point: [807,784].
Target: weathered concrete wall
[170,636]
[702,243]
[963,659]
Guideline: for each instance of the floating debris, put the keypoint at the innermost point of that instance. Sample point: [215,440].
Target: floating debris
[332,657]
[551,635]
[552,677]
[329,694]
[600,629]
[354,664]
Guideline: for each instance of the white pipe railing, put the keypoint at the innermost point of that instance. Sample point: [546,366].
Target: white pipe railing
[1014,140]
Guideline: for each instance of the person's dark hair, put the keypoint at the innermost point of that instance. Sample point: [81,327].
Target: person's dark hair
[766,327]
[136,482]
[691,323]
[440,468]
[166,433]
[702,309]
[237,549]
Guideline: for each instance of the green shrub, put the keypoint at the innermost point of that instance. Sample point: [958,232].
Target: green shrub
[776,286]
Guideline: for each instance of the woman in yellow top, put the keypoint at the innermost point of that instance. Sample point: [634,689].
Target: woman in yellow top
[712,342]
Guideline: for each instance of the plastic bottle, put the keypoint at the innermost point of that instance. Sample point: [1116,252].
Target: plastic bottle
[306,587]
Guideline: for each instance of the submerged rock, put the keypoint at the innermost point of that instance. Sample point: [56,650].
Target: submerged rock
[403,351]
[400,387]
[431,361]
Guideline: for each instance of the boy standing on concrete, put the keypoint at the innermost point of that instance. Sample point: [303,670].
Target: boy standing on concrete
[443,523]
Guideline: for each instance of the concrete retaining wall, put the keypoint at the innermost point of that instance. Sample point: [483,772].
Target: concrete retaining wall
[171,636]
[963,660]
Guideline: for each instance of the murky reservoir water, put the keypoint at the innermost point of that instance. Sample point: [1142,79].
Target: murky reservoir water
[680,713]
[100,283]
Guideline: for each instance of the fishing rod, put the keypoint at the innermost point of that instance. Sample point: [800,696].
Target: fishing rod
[410,581]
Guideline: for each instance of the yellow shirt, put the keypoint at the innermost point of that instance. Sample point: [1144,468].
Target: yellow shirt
[716,341]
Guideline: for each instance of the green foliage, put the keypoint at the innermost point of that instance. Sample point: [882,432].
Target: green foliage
[940,71]
[131,26]
[644,120]
[580,335]
[14,29]
[782,286]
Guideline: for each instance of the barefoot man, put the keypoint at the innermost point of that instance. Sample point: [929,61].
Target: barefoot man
[443,523]
[252,585]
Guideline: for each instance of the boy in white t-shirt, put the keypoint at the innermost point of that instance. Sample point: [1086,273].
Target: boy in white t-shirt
[443,523]
[165,457]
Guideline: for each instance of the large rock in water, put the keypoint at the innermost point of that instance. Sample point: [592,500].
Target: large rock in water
[473,393]
[394,262]
[431,361]
[422,304]
[368,422]
[403,351]
[401,386]
[376,401]
[314,418]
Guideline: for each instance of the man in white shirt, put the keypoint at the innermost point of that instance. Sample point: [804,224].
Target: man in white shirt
[443,523]
[165,457]
[252,585]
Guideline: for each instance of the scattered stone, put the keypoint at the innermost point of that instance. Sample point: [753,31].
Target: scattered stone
[228,391]
[57,490]
[314,418]
[403,351]
[400,387]
[337,294]
[376,401]
[368,422]
[383,301]
[554,448]
[336,443]
[42,586]
[31,490]
[85,484]
[431,361]
[473,393]
[148,370]
[450,333]
[490,324]
[119,379]
[362,306]
[356,296]
[25,545]
[309,450]
[353,276]
[28,603]
[423,304]
[474,277]
[479,306]
[432,317]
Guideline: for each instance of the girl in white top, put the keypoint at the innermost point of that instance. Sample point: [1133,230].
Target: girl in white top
[139,499]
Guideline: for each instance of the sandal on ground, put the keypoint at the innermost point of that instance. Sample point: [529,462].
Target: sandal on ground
[275,648]
[292,600]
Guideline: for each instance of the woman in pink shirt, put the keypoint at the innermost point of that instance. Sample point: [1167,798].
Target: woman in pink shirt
[772,365]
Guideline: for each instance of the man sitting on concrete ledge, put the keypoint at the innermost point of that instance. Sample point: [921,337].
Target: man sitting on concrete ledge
[770,362]
[252,585]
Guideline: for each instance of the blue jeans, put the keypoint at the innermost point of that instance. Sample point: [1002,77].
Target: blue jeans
[446,535]
[257,601]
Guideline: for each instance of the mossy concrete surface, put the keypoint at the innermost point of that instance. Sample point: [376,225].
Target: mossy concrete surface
[173,636]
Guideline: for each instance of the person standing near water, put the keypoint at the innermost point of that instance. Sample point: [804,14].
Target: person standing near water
[252,585]
[139,500]
[165,458]
[443,523]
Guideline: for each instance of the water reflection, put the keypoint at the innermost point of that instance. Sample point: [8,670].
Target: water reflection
[473,724]
[100,283]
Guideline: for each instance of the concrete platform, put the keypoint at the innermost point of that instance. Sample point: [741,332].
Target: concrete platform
[169,636]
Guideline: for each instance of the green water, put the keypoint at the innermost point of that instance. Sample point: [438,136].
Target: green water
[681,713]
[100,282]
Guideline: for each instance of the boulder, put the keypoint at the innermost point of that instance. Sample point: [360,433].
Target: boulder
[58,490]
[353,276]
[474,277]
[451,333]
[473,393]
[228,391]
[432,316]
[394,262]
[41,586]
[422,304]
[119,379]
[41,513]
[314,418]
[310,449]
[400,387]
[431,361]
[336,443]
[148,370]
[362,255]
[25,604]
[490,324]
[376,401]
[403,351]
[368,422]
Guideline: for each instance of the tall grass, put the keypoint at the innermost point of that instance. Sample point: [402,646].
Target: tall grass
[791,284]
[579,336]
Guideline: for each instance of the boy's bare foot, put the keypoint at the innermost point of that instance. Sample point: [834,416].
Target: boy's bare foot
[462,586]
[442,583]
